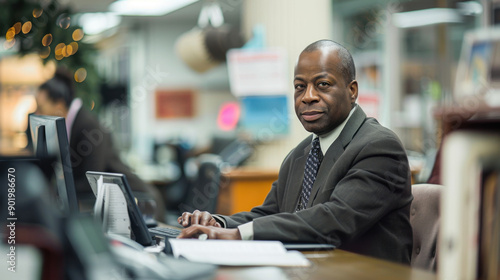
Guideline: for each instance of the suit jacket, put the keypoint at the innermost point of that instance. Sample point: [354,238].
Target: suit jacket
[360,200]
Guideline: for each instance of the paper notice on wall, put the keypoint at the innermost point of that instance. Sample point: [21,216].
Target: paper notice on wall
[258,72]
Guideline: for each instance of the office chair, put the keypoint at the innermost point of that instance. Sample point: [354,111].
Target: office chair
[204,190]
[425,220]
[235,153]
[175,191]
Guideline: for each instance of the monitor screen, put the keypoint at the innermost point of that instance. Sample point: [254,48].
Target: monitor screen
[478,72]
[50,141]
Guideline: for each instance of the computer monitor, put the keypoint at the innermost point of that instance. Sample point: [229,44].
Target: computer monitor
[139,228]
[50,141]
[478,72]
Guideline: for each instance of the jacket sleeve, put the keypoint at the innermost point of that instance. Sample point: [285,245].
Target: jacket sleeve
[271,204]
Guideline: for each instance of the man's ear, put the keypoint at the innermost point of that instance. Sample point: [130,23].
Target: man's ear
[353,91]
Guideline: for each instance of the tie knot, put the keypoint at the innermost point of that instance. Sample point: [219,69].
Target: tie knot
[316,148]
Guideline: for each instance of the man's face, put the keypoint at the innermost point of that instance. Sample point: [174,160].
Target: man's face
[45,106]
[322,98]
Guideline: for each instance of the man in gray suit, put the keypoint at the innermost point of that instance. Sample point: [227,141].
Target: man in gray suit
[359,198]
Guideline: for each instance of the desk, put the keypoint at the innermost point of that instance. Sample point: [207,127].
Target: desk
[336,264]
[242,189]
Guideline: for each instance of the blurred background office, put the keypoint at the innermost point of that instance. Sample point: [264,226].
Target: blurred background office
[185,82]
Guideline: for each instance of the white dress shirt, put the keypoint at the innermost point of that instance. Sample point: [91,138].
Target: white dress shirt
[74,107]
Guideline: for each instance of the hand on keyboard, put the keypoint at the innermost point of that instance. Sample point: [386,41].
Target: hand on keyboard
[197,218]
[195,231]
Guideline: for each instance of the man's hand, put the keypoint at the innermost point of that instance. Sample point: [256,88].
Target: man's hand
[197,218]
[195,231]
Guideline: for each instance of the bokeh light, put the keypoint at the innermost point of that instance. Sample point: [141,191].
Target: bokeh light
[45,52]
[37,12]
[9,44]
[17,27]
[68,50]
[77,35]
[47,40]
[11,33]
[63,21]
[80,75]
[26,27]
[74,47]
[58,51]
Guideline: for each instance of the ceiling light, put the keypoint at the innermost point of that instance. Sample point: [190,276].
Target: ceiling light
[147,7]
[426,17]
[470,8]
[95,23]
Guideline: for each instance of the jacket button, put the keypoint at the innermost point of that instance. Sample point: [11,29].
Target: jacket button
[417,250]
[413,211]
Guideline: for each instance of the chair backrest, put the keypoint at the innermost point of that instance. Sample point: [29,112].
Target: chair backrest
[425,220]
[204,191]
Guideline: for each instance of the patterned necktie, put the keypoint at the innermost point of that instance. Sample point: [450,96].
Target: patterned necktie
[312,165]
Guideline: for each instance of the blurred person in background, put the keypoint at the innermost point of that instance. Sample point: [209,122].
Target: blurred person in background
[91,146]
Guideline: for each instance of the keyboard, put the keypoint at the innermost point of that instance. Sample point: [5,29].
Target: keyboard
[167,232]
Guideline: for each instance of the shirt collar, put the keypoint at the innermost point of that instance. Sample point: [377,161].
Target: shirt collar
[74,107]
[326,140]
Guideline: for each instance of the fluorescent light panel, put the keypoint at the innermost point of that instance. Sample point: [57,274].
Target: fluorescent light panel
[426,17]
[147,7]
[95,23]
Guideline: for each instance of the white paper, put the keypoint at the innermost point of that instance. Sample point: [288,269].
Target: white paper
[258,72]
[237,252]
[116,219]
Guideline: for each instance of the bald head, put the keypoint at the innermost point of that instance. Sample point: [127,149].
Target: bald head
[346,65]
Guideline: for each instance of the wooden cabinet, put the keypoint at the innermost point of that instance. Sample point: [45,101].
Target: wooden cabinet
[243,188]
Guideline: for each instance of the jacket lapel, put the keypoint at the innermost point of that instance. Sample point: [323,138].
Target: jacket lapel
[336,150]
[295,181]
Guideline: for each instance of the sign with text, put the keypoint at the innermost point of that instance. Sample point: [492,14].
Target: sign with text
[257,72]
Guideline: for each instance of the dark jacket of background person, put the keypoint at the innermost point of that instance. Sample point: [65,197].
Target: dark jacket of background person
[91,149]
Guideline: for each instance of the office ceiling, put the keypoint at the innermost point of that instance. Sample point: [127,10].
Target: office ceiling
[88,6]
[230,9]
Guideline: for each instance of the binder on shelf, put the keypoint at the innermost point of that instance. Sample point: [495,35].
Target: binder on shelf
[466,156]
[489,231]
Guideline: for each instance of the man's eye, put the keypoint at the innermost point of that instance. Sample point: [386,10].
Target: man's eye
[323,84]
[299,86]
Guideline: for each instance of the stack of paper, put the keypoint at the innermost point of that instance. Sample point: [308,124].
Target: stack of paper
[237,252]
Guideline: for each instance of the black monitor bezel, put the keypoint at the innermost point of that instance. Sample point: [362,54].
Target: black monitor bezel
[58,148]
[137,223]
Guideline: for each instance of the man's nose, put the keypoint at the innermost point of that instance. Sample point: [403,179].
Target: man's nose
[310,95]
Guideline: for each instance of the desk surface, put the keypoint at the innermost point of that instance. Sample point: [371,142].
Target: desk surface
[336,264]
